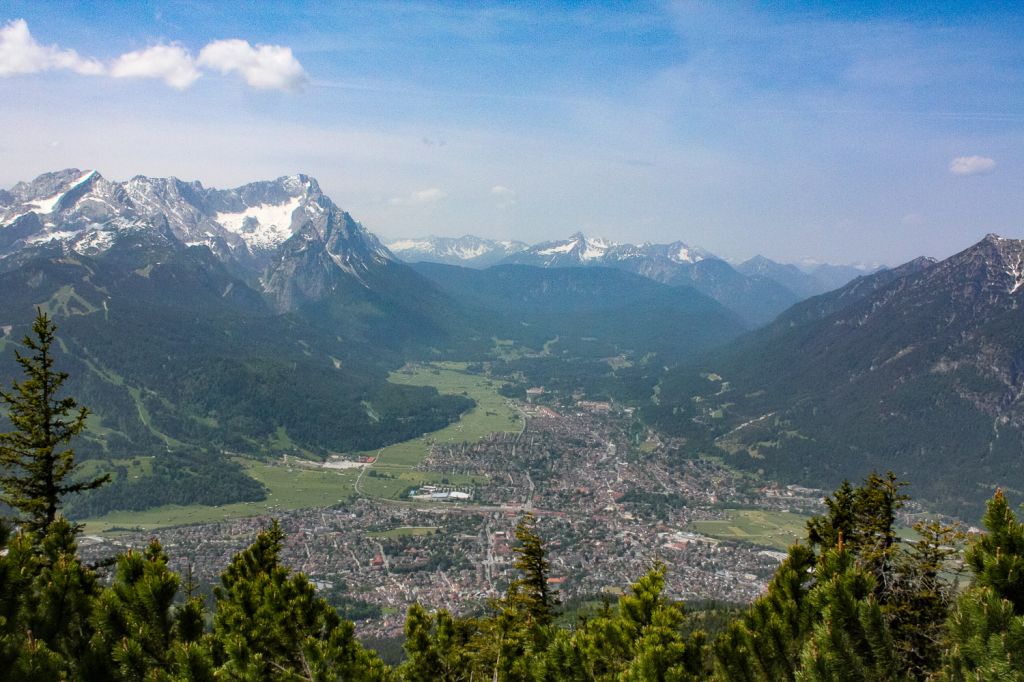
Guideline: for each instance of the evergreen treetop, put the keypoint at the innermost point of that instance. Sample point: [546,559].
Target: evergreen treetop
[37,465]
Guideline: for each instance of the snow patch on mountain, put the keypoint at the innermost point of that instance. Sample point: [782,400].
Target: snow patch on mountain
[686,255]
[410,244]
[94,241]
[594,249]
[467,250]
[560,248]
[47,205]
[263,226]
[44,237]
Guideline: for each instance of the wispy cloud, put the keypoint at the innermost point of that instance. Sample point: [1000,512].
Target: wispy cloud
[20,53]
[264,67]
[971,165]
[170,63]
[422,196]
[506,196]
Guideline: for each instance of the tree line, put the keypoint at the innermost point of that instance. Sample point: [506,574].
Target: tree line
[851,603]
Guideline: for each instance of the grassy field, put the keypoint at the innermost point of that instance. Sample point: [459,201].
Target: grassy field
[403,531]
[391,482]
[491,414]
[769,528]
[288,488]
[302,487]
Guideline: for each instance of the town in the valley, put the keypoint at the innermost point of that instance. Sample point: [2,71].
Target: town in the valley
[607,509]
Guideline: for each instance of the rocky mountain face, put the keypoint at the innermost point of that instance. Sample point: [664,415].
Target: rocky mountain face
[467,251]
[285,237]
[919,369]
[192,317]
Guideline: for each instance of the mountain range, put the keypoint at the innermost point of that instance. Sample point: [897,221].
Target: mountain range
[265,319]
[756,290]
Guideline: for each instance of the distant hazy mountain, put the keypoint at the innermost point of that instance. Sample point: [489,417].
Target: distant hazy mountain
[918,369]
[756,301]
[468,251]
[804,282]
[591,312]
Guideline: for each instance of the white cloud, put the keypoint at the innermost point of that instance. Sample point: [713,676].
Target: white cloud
[20,53]
[502,191]
[428,196]
[170,63]
[423,196]
[913,220]
[971,165]
[265,67]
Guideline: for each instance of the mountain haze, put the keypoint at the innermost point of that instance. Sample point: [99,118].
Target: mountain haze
[756,290]
[468,251]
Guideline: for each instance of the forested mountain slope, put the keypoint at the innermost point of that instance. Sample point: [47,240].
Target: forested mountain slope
[917,369]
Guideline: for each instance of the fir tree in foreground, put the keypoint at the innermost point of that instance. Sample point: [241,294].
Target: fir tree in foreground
[270,624]
[38,466]
[986,627]
[862,608]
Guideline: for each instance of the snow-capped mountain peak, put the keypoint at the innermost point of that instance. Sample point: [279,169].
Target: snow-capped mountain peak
[578,249]
[49,204]
[285,233]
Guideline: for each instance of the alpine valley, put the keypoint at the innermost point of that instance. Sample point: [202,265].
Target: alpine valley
[198,324]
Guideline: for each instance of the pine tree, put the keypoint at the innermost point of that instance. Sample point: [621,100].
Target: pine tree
[271,626]
[660,652]
[920,597]
[765,643]
[839,524]
[851,640]
[139,632]
[997,557]
[436,647]
[986,628]
[863,520]
[532,592]
[641,639]
[37,466]
[863,609]
[46,595]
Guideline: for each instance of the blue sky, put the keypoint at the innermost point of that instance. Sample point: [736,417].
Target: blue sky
[794,130]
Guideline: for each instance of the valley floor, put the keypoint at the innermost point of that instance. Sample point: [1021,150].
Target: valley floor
[609,504]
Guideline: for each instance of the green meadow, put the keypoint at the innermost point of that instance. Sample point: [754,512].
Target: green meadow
[304,485]
[773,529]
